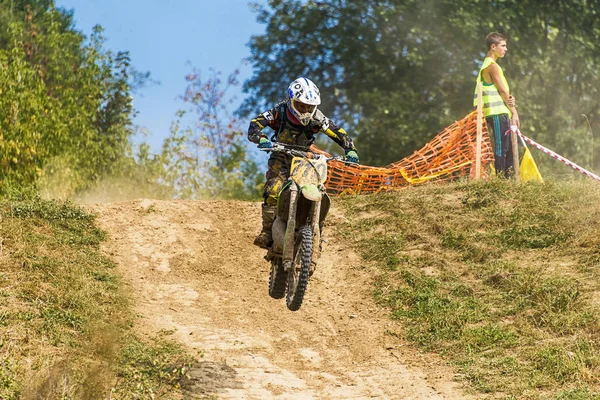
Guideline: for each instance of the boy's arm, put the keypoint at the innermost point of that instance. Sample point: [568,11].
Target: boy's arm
[336,133]
[268,118]
[509,100]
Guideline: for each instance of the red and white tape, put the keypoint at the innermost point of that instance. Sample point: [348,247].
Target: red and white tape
[559,157]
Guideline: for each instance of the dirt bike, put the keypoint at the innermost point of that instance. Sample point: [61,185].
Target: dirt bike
[302,207]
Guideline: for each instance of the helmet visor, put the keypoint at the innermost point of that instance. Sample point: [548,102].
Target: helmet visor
[303,108]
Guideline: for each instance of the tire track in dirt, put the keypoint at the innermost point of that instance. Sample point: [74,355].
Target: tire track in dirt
[193,270]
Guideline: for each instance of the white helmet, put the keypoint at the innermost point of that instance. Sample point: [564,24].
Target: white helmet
[303,99]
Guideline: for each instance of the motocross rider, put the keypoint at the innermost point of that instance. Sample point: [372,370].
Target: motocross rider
[295,121]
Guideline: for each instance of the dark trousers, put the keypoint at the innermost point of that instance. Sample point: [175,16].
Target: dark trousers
[500,137]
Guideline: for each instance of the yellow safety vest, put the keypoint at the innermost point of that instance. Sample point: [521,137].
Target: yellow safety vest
[493,104]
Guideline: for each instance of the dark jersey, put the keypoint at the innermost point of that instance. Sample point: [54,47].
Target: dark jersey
[289,133]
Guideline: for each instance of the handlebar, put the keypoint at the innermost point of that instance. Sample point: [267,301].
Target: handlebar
[299,151]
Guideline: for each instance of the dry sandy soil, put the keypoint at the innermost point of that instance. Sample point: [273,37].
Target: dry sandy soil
[193,270]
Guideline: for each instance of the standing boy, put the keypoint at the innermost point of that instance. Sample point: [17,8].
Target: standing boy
[498,104]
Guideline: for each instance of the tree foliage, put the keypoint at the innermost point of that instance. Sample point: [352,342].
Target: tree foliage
[65,105]
[209,158]
[66,110]
[397,72]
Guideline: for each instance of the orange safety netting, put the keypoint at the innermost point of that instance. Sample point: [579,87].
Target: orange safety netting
[449,155]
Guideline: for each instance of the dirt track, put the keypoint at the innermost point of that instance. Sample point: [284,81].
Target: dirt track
[193,269]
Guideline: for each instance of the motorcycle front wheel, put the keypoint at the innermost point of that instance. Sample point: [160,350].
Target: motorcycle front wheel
[277,279]
[297,279]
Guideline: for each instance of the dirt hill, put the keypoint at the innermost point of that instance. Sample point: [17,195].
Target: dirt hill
[193,271]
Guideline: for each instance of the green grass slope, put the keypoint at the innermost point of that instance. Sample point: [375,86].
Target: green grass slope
[500,278]
[65,325]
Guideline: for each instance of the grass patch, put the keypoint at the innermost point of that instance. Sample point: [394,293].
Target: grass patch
[498,277]
[580,393]
[151,369]
[64,316]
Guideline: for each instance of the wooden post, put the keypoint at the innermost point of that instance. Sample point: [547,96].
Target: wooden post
[479,130]
[515,150]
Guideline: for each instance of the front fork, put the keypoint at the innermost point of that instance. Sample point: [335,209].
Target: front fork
[290,231]
[316,219]
[288,243]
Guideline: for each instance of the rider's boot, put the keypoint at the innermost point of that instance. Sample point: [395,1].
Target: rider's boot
[264,238]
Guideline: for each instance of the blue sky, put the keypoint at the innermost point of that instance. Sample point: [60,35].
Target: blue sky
[162,38]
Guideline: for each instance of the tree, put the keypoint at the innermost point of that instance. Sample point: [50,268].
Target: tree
[397,72]
[209,159]
[65,114]
[23,117]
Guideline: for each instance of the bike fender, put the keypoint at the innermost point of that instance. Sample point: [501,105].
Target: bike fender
[311,192]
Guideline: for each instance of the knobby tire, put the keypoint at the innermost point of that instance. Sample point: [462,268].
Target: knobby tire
[298,277]
[277,279]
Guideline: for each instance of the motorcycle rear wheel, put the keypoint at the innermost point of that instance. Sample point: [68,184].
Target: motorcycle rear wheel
[297,278]
[277,279]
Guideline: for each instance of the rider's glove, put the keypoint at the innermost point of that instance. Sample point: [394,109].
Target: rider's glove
[352,157]
[264,143]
